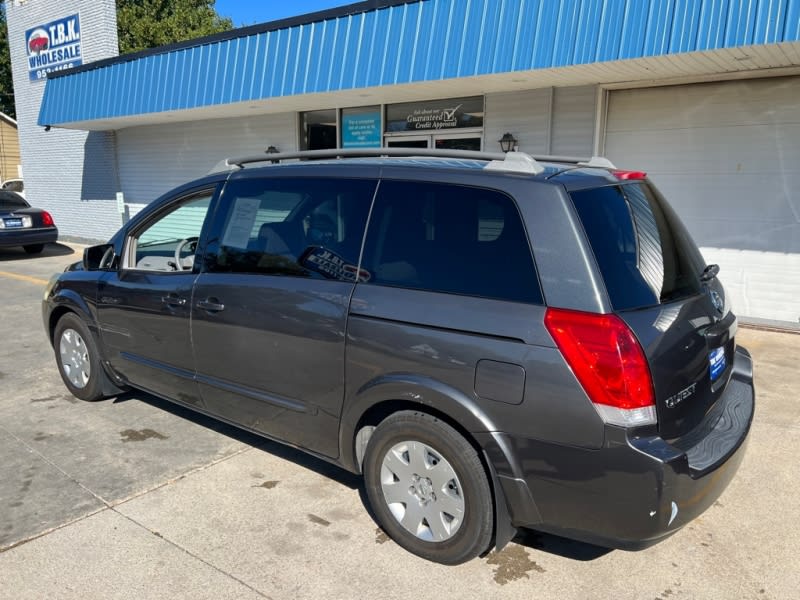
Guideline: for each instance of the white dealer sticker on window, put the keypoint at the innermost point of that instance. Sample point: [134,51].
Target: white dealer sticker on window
[237,233]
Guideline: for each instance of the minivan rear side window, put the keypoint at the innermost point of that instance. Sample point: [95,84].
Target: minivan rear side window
[449,238]
[644,252]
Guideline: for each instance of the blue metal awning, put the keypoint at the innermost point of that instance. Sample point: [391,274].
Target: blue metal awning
[380,43]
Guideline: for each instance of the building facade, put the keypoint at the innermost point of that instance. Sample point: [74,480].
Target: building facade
[701,94]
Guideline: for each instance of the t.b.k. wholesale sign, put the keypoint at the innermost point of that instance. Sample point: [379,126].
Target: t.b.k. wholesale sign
[53,46]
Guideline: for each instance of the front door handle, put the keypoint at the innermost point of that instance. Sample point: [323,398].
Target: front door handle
[211,305]
[173,300]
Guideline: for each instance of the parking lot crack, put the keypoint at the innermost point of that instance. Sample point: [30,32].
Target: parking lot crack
[50,530]
[54,465]
[193,555]
[183,475]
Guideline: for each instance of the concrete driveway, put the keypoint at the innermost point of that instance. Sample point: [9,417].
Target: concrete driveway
[135,498]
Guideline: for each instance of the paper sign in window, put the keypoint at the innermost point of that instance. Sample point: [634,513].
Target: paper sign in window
[240,224]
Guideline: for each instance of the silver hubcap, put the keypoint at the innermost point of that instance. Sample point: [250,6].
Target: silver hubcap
[74,358]
[422,491]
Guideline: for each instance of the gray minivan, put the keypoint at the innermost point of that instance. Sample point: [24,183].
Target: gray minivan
[493,341]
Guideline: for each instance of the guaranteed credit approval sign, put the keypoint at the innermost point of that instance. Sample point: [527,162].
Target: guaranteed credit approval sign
[53,46]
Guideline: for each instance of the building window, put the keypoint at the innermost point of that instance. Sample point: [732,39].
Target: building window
[318,130]
[435,116]
[361,127]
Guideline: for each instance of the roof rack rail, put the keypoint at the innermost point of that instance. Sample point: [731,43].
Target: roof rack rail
[512,161]
[559,158]
[519,162]
[600,162]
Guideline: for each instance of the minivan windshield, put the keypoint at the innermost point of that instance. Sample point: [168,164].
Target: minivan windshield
[644,252]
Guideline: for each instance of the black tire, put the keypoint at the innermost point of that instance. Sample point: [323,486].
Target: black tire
[472,533]
[82,374]
[33,248]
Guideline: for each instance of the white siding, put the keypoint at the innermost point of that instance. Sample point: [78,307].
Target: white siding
[557,121]
[573,121]
[524,114]
[727,156]
[153,159]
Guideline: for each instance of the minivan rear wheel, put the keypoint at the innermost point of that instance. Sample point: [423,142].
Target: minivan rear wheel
[428,488]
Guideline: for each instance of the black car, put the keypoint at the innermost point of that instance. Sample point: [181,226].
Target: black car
[23,225]
[494,341]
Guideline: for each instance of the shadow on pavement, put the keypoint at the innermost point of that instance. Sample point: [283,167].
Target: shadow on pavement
[245,437]
[560,546]
[542,542]
[17,253]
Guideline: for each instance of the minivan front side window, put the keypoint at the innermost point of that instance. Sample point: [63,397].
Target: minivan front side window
[293,227]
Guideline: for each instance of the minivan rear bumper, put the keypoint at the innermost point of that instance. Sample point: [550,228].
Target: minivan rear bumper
[635,490]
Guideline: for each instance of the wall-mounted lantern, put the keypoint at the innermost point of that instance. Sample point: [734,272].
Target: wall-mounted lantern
[508,142]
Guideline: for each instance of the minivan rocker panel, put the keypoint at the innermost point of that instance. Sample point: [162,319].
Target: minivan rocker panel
[494,342]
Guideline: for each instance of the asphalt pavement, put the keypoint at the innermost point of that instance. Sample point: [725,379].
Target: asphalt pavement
[136,498]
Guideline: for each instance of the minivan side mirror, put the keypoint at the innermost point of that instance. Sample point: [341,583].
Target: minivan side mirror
[99,257]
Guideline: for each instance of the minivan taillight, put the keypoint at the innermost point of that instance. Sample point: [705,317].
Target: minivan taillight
[608,362]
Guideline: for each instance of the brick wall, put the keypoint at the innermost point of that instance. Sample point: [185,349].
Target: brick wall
[70,173]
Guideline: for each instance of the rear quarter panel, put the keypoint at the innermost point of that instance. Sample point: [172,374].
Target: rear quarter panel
[424,347]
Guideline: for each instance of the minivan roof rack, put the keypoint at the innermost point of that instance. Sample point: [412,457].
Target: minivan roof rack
[519,162]
[598,162]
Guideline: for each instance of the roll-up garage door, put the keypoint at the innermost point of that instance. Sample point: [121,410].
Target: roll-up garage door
[727,156]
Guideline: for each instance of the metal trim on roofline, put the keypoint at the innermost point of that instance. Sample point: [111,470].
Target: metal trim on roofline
[305,19]
[380,43]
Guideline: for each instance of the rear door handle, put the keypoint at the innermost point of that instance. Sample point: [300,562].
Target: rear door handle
[211,305]
[173,300]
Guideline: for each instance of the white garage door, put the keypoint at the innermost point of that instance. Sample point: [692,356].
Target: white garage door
[153,159]
[727,156]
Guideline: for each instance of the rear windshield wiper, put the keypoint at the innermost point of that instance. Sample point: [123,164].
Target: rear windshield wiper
[709,273]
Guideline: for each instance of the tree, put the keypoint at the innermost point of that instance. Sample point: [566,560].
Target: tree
[145,24]
[6,80]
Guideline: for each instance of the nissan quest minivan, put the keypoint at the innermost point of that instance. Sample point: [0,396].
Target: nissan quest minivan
[494,341]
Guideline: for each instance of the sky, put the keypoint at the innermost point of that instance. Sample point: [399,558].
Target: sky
[250,12]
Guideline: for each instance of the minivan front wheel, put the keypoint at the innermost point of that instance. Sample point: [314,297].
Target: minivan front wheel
[77,358]
[428,488]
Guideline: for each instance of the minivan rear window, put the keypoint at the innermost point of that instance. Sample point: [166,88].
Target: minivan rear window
[644,252]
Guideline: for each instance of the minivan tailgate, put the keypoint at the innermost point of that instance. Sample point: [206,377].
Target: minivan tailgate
[690,348]
[659,284]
